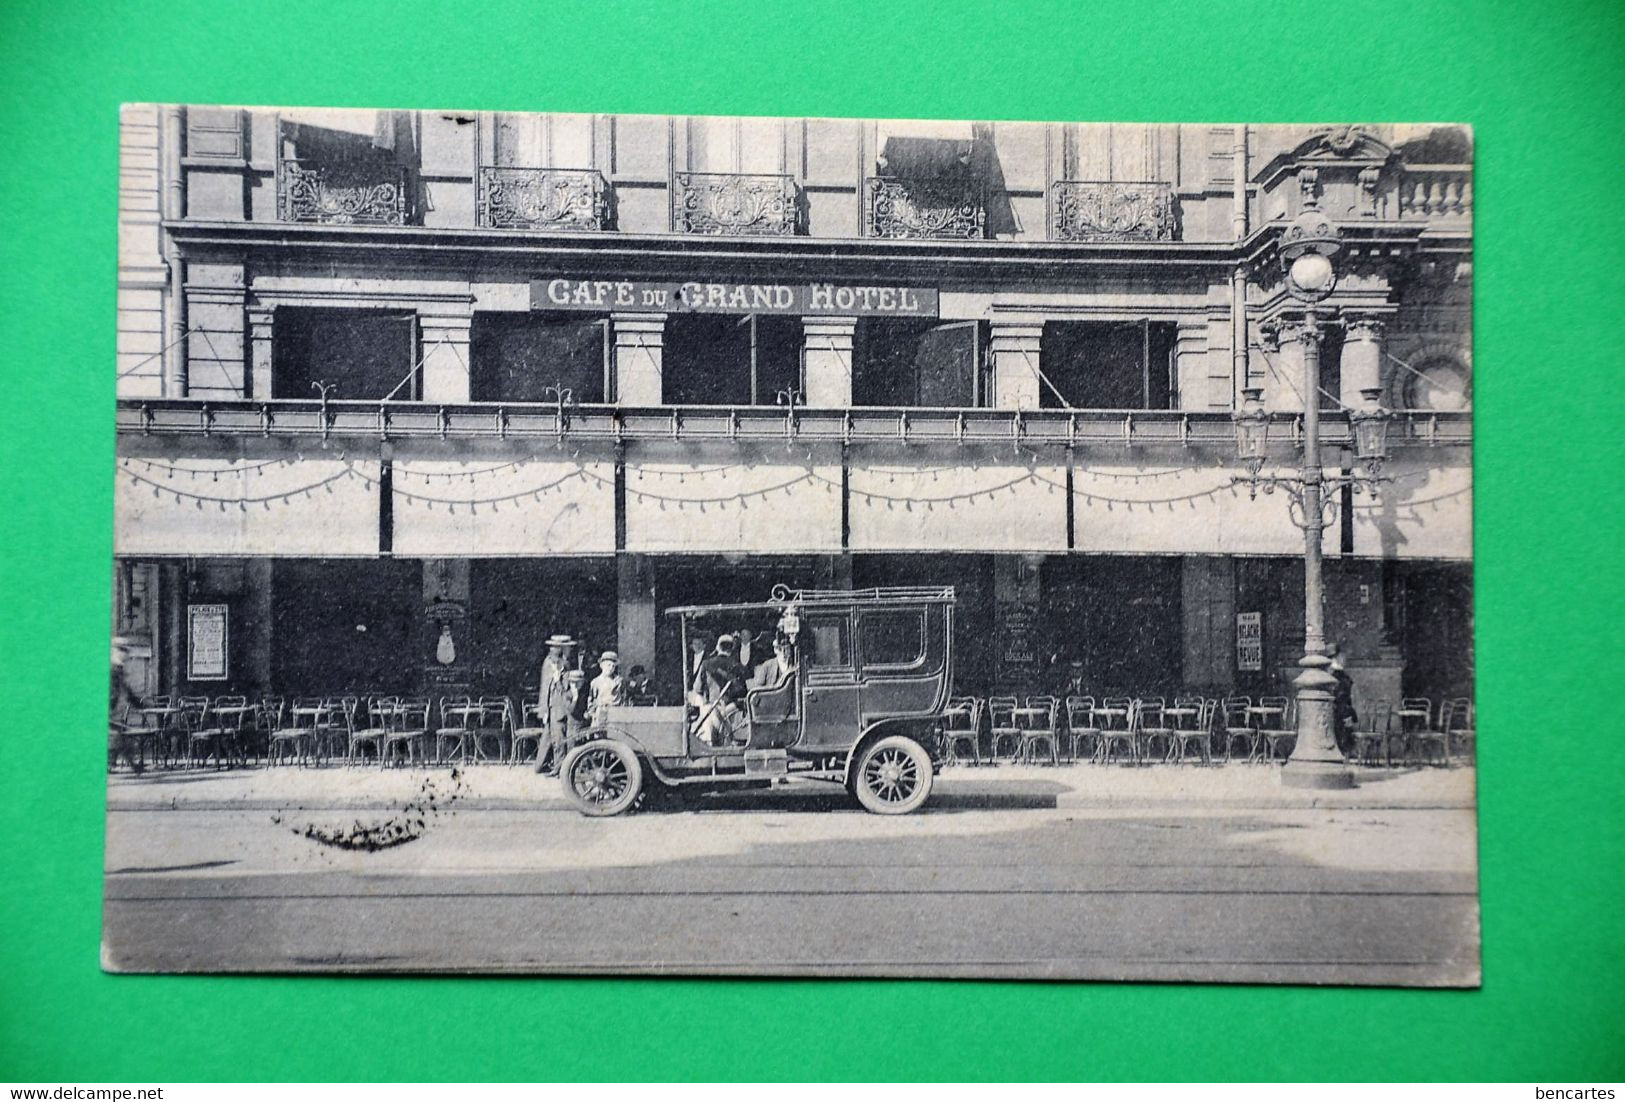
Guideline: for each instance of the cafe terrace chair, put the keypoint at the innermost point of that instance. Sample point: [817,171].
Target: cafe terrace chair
[335,726]
[1193,730]
[191,718]
[491,723]
[291,738]
[1002,727]
[409,731]
[1275,726]
[524,730]
[1080,726]
[373,729]
[1238,729]
[217,729]
[457,721]
[1372,742]
[1037,725]
[962,726]
[1125,737]
[1155,736]
[1430,741]
[1462,727]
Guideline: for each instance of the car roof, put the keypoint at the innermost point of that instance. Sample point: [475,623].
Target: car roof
[812,599]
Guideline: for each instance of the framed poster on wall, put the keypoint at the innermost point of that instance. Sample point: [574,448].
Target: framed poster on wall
[206,649]
[1249,641]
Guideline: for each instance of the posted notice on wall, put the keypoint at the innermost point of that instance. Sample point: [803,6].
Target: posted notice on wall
[1249,640]
[206,642]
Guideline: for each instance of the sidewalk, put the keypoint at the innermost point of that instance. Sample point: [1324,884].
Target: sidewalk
[508,788]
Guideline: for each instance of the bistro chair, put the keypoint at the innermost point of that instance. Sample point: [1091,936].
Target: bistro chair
[335,726]
[1002,727]
[1428,739]
[409,730]
[294,734]
[457,723]
[1238,728]
[1373,742]
[213,732]
[1274,716]
[1461,727]
[379,720]
[1036,722]
[1125,737]
[1080,725]
[1155,732]
[191,716]
[524,730]
[1193,730]
[962,726]
[491,722]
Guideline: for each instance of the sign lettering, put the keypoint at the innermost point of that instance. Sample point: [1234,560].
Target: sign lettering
[732,298]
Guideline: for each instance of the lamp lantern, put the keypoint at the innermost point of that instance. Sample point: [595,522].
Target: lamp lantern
[1252,425]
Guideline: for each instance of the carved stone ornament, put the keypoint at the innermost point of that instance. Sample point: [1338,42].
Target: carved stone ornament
[1346,141]
[542,199]
[1085,210]
[342,193]
[918,209]
[731,204]
[1362,327]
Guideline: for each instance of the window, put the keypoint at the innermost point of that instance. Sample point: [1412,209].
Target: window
[826,642]
[1108,365]
[518,357]
[891,638]
[367,354]
[917,362]
[1440,384]
[754,146]
[730,359]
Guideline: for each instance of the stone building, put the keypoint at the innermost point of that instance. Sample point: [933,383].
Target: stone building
[402,393]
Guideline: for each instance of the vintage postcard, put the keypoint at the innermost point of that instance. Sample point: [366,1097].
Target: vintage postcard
[792,546]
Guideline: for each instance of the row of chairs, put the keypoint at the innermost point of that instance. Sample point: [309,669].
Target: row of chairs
[1419,732]
[314,730]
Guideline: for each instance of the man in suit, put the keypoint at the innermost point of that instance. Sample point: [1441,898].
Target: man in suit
[554,705]
[720,686]
[1344,721]
[776,668]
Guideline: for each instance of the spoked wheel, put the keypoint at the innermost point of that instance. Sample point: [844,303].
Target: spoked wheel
[602,777]
[893,777]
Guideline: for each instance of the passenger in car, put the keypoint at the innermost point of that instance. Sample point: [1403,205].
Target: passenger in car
[776,669]
[720,685]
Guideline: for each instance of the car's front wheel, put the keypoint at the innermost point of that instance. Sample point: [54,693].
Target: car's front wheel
[602,777]
[892,776]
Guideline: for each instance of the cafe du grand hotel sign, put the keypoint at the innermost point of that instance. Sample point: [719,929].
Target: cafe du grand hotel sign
[561,372]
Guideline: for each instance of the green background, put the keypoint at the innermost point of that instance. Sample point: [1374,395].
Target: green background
[1542,84]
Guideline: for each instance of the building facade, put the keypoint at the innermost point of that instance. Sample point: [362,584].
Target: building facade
[403,393]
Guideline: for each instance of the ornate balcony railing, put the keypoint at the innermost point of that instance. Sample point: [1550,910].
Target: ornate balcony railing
[1436,192]
[342,192]
[733,204]
[898,208]
[1091,210]
[543,199]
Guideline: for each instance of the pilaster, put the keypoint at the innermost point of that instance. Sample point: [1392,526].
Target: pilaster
[827,360]
[1362,358]
[639,358]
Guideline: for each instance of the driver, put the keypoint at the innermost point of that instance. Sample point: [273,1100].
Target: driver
[720,685]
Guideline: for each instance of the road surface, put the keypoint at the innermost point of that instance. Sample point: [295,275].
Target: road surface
[797,882]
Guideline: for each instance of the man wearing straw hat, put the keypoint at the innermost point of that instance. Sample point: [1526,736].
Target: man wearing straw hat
[553,707]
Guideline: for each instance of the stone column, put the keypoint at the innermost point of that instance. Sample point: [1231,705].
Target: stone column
[635,612]
[1014,347]
[261,320]
[1362,359]
[444,348]
[639,358]
[827,361]
[1280,370]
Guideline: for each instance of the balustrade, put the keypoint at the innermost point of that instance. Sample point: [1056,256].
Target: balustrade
[543,199]
[732,204]
[897,208]
[1436,191]
[1089,210]
[355,192]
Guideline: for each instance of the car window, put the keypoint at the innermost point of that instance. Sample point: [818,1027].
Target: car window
[893,638]
[826,641]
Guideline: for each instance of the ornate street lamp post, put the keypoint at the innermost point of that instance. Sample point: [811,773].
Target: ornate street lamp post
[1307,248]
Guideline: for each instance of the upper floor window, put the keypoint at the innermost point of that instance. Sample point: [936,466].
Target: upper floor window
[735,145]
[366,354]
[918,362]
[1108,365]
[731,359]
[347,167]
[531,357]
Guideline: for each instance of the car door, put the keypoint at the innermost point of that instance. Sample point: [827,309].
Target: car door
[829,687]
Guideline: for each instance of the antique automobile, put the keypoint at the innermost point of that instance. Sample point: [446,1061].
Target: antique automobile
[854,696]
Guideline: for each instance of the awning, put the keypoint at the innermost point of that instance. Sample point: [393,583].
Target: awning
[484,506]
[243,506]
[759,504]
[1425,513]
[1182,510]
[991,507]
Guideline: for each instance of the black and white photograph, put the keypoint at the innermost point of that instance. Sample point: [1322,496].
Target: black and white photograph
[702,545]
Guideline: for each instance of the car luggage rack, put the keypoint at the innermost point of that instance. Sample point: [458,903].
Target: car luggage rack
[783,594]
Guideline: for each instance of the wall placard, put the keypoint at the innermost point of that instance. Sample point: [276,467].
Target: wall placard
[206,642]
[1249,641]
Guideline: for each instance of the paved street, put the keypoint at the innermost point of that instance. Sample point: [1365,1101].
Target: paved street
[1079,872]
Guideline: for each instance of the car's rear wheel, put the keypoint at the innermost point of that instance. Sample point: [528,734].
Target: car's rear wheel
[893,776]
[603,777]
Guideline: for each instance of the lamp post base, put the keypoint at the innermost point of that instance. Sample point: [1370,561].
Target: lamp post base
[1316,762]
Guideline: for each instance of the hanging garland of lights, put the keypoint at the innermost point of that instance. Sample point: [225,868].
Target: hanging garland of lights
[213,473]
[286,495]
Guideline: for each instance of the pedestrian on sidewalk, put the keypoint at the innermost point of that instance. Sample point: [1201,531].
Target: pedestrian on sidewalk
[1344,720]
[553,705]
[609,688]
